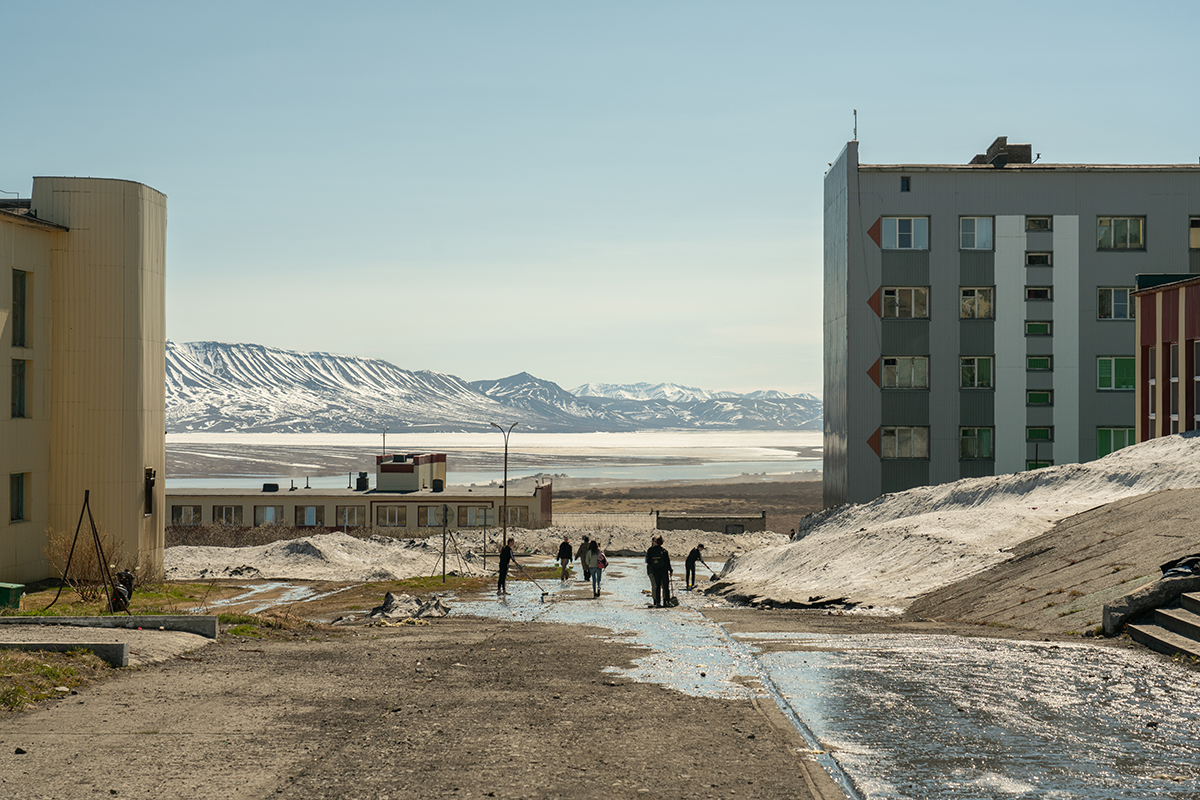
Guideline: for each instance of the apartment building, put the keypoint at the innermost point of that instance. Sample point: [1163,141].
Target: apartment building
[979,318]
[82,320]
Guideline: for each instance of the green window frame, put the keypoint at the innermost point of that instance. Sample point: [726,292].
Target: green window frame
[1037,328]
[1110,440]
[1038,464]
[1039,434]
[1039,397]
[1115,373]
[1039,363]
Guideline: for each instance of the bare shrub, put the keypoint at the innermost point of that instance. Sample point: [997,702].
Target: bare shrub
[86,576]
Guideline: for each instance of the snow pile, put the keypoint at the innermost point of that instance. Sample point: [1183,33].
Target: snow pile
[324,557]
[900,546]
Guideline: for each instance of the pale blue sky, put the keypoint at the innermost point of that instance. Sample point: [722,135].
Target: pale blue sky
[606,191]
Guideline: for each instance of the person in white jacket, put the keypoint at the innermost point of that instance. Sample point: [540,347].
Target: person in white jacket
[594,562]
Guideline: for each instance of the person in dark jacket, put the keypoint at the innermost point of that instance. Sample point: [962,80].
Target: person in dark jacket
[565,554]
[583,548]
[690,565]
[658,564]
[506,556]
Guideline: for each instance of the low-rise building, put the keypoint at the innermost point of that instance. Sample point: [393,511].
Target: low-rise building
[1168,353]
[409,499]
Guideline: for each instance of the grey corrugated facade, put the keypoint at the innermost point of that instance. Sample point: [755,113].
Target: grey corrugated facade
[861,412]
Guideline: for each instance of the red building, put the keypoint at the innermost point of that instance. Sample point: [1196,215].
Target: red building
[1168,353]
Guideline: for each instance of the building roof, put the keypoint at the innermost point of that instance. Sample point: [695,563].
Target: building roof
[1151,283]
[455,492]
[18,211]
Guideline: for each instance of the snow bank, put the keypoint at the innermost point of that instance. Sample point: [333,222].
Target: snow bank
[900,546]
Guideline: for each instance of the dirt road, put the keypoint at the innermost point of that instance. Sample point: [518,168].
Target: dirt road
[460,708]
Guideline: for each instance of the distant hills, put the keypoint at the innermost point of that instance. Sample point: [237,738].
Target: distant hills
[213,386]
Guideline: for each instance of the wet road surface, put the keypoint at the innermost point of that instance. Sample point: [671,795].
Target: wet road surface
[914,716]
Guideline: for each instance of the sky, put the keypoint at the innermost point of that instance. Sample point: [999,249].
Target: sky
[608,192]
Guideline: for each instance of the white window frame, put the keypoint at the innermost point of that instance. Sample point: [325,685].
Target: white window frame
[1049,395]
[975,294]
[1030,225]
[975,436]
[1049,363]
[1112,294]
[904,442]
[1115,223]
[188,515]
[894,298]
[1037,439]
[973,363]
[391,517]
[1152,366]
[975,233]
[227,515]
[894,237]
[343,515]
[904,372]
[1048,323]
[268,515]
[1194,233]
[1033,256]
[1032,292]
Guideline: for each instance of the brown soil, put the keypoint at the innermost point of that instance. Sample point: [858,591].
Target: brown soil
[459,708]
[784,501]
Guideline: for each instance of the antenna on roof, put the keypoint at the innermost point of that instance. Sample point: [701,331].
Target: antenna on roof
[856,124]
[1039,158]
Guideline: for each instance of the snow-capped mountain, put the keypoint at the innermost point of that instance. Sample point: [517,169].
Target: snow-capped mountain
[213,386]
[671,392]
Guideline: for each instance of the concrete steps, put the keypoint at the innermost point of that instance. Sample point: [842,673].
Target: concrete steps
[1171,630]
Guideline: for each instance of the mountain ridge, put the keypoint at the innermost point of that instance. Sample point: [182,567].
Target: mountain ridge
[216,386]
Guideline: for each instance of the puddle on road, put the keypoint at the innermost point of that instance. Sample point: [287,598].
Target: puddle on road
[917,716]
[272,594]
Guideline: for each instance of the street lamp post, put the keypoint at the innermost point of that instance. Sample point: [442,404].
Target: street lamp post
[504,508]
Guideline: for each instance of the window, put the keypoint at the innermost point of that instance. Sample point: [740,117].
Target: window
[429,516]
[906,302]
[975,233]
[1152,366]
[904,442]
[1039,398]
[18,308]
[1114,372]
[1037,328]
[1121,233]
[18,388]
[1037,293]
[976,372]
[268,515]
[1196,383]
[1115,303]
[906,233]
[310,516]
[391,516]
[905,183]
[975,443]
[351,516]
[1038,259]
[516,515]
[16,496]
[475,516]
[976,303]
[1039,434]
[1038,464]
[1174,387]
[1038,363]
[1194,233]
[227,515]
[1109,440]
[1039,223]
[905,372]
[185,515]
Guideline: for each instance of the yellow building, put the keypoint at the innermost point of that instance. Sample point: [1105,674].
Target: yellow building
[82,316]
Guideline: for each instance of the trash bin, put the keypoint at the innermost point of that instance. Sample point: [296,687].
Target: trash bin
[10,595]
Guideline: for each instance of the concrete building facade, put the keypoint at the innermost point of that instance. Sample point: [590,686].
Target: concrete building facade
[979,318]
[83,320]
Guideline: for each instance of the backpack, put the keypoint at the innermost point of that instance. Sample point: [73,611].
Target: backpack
[602,562]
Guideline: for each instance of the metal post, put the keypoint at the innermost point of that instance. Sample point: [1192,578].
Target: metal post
[445,521]
[504,508]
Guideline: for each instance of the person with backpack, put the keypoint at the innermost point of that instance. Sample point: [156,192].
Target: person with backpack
[595,562]
[565,555]
[658,564]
